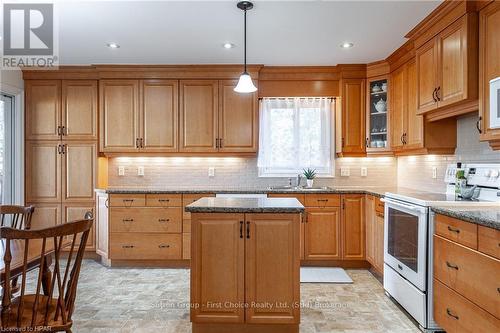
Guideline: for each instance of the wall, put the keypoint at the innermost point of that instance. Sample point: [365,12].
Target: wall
[416,171]
[192,172]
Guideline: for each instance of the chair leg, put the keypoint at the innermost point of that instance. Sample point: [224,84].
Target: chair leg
[69,330]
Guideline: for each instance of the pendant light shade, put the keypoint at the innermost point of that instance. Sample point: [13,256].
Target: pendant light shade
[245,83]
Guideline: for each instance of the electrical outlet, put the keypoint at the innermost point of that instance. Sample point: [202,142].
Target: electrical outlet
[434,172]
[211,172]
[345,172]
[121,171]
[140,171]
[364,171]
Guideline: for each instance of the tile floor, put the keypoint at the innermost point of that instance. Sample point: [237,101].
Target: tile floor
[153,300]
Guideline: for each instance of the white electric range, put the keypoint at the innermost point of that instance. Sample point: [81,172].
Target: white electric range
[408,245]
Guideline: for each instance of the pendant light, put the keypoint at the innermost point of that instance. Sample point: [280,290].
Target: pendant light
[245,84]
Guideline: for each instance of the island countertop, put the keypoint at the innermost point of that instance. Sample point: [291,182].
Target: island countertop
[245,205]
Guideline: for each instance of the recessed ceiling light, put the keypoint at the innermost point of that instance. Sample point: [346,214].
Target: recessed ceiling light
[346,45]
[228,45]
[113,45]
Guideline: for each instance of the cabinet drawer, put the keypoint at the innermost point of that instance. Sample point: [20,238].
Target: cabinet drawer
[379,206]
[127,200]
[190,198]
[489,241]
[470,273]
[462,232]
[300,197]
[145,246]
[163,200]
[154,220]
[322,200]
[455,313]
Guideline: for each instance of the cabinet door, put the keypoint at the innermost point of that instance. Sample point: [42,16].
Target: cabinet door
[79,171]
[398,106]
[353,227]
[45,215]
[119,115]
[238,119]
[272,273]
[427,62]
[43,171]
[378,231]
[353,116]
[79,109]
[370,229]
[452,65]
[43,109]
[74,212]
[322,234]
[414,122]
[217,268]
[159,115]
[198,115]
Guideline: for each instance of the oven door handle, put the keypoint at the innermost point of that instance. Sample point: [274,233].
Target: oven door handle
[403,205]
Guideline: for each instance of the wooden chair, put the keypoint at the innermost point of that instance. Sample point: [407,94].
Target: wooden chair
[20,215]
[52,310]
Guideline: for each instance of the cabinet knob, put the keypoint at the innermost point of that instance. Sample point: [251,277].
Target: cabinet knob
[127,246]
[163,220]
[162,246]
[450,265]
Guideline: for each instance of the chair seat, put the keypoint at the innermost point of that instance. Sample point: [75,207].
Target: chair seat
[25,320]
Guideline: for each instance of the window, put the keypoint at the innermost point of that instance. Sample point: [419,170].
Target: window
[6,151]
[295,133]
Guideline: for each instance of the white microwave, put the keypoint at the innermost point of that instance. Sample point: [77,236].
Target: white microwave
[495,103]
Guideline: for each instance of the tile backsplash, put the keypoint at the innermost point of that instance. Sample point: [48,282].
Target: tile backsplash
[232,172]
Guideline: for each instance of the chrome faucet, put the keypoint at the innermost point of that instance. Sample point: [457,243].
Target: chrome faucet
[299,177]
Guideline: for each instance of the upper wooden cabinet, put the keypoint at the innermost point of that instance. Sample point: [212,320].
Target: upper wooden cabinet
[410,133]
[377,120]
[447,68]
[489,68]
[238,119]
[350,118]
[119,108]
[199,103]
[79,109]
[43,109]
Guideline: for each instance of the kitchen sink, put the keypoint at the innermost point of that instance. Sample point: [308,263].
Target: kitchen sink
[295,188]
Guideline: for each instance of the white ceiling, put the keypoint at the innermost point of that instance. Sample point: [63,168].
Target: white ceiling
[189,32]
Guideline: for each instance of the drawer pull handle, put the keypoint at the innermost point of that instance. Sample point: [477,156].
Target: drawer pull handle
[498,289]
[451,266]
[163,220]
[163,200]
[322,200]
[127,246]
[163,246]
[128,200]
[449,313]
[128,220]
[453,230]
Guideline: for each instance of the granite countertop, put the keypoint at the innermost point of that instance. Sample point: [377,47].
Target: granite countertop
[488,216]
[377,191]
[245,205]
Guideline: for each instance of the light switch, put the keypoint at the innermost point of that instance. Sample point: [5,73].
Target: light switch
[434,172]
[211,172]
[121,171]
[140,171]
[345,172]
[364,171]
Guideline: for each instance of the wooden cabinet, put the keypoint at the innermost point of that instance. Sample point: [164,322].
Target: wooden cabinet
[410,133]
[77,211]
[46,215]
[256,256]
[159,115]
[447,66]
[350,118]
[322,234]
[43,171]
[377,111]
[353,227]
[489,69]
[238,119]
[79,165]
[119,109]
[374,234]
[79,110]
[199,102]
[43,109]
[378,263]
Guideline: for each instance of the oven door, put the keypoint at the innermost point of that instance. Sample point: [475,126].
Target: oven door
[405,240]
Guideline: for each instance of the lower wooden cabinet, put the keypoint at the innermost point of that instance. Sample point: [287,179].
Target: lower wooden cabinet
[145,246]
[77,211]
[45,215]
[322,234]
[374,218]
[243,259]
[353,227]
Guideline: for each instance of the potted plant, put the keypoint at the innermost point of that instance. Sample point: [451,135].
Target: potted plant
[310,174]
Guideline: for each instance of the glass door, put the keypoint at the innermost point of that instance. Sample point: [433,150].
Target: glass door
[6,148]
[378,104]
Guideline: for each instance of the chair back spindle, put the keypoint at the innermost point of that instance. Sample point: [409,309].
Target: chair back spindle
[19,216]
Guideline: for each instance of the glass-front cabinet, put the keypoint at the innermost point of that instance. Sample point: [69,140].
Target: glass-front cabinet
[377,127]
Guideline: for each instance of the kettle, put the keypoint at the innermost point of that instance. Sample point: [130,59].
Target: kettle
[380,106]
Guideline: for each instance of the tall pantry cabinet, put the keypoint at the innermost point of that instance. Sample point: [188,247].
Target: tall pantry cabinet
[60,150]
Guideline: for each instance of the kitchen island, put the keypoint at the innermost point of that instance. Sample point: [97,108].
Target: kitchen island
[245,265]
